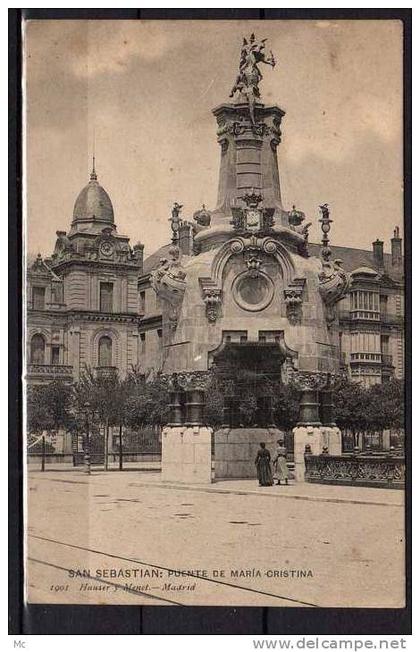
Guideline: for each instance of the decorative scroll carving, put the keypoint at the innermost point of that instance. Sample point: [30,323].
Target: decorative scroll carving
[293,298]
[252,244]
[168,281]
[379,471]
[212,297]
[334,281]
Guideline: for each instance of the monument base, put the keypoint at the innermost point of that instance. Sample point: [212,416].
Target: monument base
[186,454]
[235,450]
[318,438]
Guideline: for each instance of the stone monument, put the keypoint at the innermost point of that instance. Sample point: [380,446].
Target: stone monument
[240,284]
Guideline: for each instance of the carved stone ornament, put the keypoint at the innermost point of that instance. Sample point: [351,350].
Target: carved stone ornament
[334,284]
[311,380]
[188,380]
[293,298]
[168,281]
[252,219]
[63,245]
[212,297]
[296,223]
[334,281]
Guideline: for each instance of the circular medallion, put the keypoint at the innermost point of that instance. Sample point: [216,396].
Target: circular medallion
[106,248]
[253,291]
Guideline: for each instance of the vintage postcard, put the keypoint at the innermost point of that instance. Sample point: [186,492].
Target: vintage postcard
[214,313]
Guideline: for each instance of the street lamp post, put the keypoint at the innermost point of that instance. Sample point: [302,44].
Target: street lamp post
[86,460]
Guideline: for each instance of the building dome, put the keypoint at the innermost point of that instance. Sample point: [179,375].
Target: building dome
[364,271]
[93,203]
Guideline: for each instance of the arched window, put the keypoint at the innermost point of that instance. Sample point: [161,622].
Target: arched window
[105,351]
[38,349]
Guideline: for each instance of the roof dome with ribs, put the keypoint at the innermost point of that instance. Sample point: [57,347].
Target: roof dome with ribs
[93,203]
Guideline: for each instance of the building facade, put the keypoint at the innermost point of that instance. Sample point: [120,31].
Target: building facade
[82,302]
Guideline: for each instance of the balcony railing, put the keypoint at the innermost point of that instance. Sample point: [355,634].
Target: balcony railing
[46,371]
[366,357]
[106,371]
[365,315]
[377,358]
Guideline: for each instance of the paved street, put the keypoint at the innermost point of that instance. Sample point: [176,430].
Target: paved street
[122,538]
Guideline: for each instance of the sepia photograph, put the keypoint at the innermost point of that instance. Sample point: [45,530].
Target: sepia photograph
[213,298]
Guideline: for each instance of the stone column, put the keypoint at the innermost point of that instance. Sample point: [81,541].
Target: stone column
[194,407]
[309,408]
[308,430]
[175,408]
[327,407]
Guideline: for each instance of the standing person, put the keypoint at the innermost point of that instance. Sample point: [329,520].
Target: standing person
[281,471]
[262,462]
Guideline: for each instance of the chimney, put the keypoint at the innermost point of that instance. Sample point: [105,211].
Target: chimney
[396,247]
[378,253]
[138,251]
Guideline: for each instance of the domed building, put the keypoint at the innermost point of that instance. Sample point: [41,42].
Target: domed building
[83,307]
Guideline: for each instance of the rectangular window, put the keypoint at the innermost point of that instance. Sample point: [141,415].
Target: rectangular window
[385,344]
[38,298]
[55,355]
[159,334]
[384,304]
[142,301]
[142,342]
[105,301]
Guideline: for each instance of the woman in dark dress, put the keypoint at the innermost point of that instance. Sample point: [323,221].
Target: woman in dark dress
[262,462]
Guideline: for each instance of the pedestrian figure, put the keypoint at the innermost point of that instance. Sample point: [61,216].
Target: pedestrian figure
[281,472]
[262,462]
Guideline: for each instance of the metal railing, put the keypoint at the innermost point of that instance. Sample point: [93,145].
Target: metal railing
[120,460]
[380,470]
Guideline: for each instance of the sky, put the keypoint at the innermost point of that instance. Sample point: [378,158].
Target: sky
[143,92]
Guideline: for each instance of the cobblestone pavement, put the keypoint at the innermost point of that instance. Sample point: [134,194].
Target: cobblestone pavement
[279,546]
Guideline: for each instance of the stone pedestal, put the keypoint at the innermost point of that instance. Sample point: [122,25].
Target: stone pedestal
[186,454]
[235,450]
[320,439]
[332,436]
[248,157]
[386,440]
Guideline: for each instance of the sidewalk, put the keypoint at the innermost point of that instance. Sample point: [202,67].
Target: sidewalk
[294,491]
